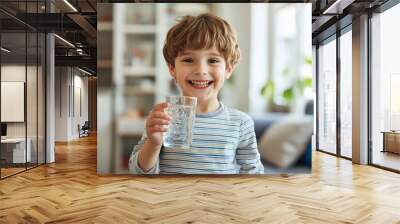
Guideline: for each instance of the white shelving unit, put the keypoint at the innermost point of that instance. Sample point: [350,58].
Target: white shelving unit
[104,26]
[140,29]
[105,104]
[139,71]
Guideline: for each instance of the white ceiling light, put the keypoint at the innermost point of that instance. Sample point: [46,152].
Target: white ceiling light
[65,41]
[70,5]
[79,51]
[5,49]
[337,7]
[86,72]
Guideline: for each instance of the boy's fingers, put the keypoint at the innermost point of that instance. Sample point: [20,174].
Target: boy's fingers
[160,107]
[158,121]
[159,115]
[158,128]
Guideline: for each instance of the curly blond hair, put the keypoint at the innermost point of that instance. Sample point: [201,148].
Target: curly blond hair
[204,31]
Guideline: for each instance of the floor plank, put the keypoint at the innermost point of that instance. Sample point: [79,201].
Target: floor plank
[70,191]
[386,159]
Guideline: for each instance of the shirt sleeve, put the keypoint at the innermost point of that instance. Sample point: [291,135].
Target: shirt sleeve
[247,155]
[133,160]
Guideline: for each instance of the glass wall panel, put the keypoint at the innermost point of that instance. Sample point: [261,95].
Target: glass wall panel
[31,98]
[41,98]
[32,86]
[385,84]
[22,89]
[346,94]
[40,7]
[327,97]
[13,87]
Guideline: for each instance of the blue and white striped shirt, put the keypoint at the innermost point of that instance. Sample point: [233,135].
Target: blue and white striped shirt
[224,142]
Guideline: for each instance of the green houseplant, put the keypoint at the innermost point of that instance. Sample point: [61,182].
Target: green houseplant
[294,91]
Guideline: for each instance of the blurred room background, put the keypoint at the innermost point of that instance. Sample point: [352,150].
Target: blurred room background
[273,78]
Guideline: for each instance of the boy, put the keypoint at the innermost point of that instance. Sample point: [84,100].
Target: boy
[201,53]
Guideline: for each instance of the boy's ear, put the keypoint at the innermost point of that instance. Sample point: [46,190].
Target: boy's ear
[228,71]
[171,69]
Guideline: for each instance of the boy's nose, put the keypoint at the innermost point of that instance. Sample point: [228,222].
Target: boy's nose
[201,69]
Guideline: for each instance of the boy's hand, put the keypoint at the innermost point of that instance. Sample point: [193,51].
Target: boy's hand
[156,124]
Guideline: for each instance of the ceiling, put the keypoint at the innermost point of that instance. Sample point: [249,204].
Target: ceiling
[330,15]
[77,23]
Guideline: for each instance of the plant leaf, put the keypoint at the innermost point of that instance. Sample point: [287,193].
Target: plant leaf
[268,90]
[288,95]
[308,60]
[307,82]
[303,83]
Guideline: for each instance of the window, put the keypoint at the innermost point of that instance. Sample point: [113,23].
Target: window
[327,97]
[289,56]
[346,94]
[385,88]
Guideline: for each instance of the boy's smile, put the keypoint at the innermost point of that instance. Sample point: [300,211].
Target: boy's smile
[201,73]
[200,84]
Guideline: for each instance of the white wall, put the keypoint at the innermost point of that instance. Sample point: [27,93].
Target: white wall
[238,97]
[257,30]
[80,83]
[33,126]
[105,150]
[259,40]
[67,115]
[17,73]
[12,101]
[61,103]
[14,73]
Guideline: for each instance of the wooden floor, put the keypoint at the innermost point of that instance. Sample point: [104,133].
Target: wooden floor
[10,171]
[69,191]
[387,159]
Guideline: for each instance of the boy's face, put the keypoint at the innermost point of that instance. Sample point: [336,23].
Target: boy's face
[200,73]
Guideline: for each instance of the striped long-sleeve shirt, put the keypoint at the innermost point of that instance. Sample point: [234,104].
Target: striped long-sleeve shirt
[223,142]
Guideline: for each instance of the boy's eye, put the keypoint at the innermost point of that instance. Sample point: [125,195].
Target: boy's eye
[188,60]
[213,60]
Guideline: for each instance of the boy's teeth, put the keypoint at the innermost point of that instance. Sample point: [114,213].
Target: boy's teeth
[200,83]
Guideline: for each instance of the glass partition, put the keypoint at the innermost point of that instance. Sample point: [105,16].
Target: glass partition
[14,152]
[31,98]
[327,97]
[22,79]
[385,89]
[41,91]
[346,94]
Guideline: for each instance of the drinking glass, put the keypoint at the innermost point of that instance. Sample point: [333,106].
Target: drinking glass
[182,110]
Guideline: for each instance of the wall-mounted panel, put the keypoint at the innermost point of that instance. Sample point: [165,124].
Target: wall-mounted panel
[12,101]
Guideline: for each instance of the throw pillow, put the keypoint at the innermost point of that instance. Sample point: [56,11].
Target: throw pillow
[286,140]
